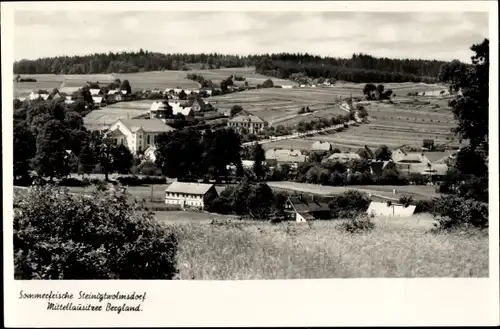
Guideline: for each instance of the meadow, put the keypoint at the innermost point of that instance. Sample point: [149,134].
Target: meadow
[406,122]
[418,192]
[396,248]
[281,106]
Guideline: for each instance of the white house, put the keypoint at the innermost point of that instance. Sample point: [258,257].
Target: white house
[209,92]
[189,195]
[33,96]
[137,134]
[177,90]
[115,95]
[287,86]
[95,91]
[97,100]
[251,123]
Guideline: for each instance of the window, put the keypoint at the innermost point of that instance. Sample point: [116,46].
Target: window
[148,140]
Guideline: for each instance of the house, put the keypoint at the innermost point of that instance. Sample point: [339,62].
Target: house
[95,92]
[198,105]
[344,157]
[189,195]
[419,163]
[287,86]
[187,92]
[98,100]
[321,146]
[33,96]
[285,156]
[177,90]
[137,134]
[252,123]
[179,107]
[302,208]
[392,209]
[115,95]
[209,92]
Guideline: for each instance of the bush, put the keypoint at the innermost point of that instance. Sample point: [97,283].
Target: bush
[422,206]
[62,236]
[349,204]
[135,181]
[406,200]
[359,224]
[454,212]
[74,182]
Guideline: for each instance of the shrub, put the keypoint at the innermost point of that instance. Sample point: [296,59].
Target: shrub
[349,204]
[62,236]
[406,200]
[422,206]
[359,224]
[454,212]
[74,182]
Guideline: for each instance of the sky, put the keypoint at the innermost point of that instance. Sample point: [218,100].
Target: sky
[426,35]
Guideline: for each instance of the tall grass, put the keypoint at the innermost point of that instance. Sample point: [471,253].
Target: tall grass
[244,250]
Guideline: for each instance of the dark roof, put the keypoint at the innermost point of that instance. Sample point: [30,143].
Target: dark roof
[308,205]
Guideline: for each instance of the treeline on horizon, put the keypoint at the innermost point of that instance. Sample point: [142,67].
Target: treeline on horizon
[358,68]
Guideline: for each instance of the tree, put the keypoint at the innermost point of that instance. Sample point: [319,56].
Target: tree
[58,235]
[182,95]
[125,85]
[122,159]
[259,158]
[383,153]
[186,146]
[469,162]
[24,149]
[268,83]
[379,91]
[470,108]
[260,201]
[51,159]
[235,109]
[368,91]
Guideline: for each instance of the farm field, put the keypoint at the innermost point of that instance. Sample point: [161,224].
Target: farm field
[79,80]
[417,192]
[396,248]
[106,116]
[391,124]
[281,106]
[249,73]
[158,79]
[44,82]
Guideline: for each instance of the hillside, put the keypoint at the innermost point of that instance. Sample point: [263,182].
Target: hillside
[358,68]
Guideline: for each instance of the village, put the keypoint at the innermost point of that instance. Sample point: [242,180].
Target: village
[162,164]
[363,166]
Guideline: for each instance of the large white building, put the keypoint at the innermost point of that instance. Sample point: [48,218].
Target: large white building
[189,195]
[137,134]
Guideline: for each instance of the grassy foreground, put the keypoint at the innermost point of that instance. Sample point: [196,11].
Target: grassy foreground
[243,250]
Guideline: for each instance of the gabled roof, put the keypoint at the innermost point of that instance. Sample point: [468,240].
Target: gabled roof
[306,205]
[189,188]
[95,92]
[437,157]
[97,99]
[114,91]
[320,145]
[148,125]
[184,111]
[247,118]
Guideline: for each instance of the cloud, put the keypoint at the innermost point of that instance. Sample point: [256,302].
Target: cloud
[445,36]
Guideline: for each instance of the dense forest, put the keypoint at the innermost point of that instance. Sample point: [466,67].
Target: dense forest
[358,68]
